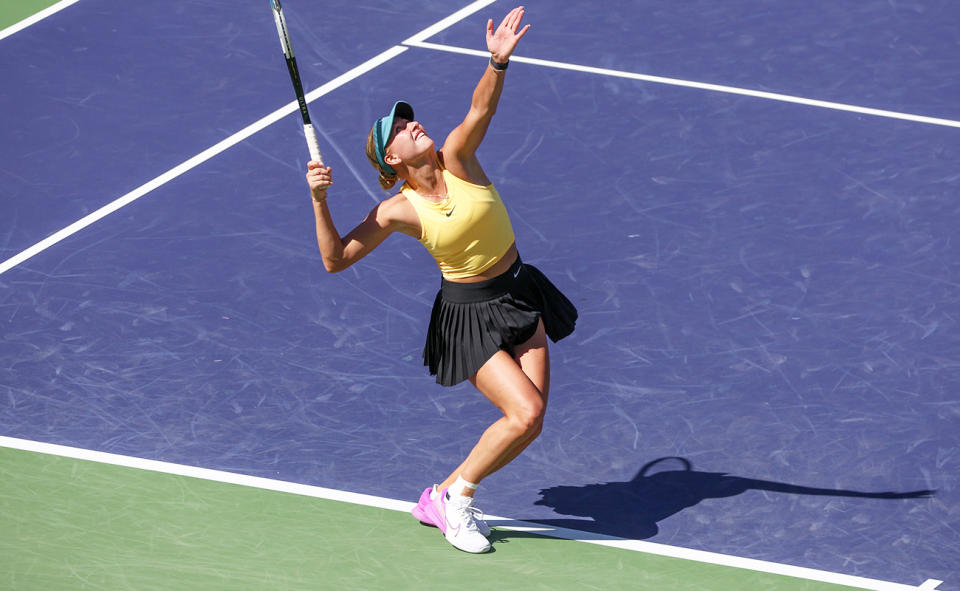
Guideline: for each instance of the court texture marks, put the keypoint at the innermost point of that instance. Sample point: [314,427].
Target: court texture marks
[752,203]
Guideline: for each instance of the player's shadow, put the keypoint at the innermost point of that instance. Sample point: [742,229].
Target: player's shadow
[633,508]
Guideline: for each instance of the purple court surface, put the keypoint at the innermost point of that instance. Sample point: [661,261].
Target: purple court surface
[767,361]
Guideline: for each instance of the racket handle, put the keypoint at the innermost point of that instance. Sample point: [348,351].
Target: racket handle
[313,144]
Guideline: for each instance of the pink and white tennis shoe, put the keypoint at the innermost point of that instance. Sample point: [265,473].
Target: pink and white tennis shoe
[456,517]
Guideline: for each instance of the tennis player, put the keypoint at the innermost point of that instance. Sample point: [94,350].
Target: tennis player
[493,313]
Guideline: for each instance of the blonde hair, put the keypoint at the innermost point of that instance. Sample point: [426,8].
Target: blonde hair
[387,180]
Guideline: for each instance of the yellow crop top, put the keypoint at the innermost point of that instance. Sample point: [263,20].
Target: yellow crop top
[468,232]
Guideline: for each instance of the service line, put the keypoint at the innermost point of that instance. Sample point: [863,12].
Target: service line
[773,96]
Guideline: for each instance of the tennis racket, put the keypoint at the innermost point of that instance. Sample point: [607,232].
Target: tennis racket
[308,131]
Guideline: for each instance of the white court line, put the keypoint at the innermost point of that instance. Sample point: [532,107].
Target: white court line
[450,20]
[500,522]
[698,85]
[197,160]
[39,16]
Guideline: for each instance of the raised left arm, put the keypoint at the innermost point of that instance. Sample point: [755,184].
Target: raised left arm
[460,147]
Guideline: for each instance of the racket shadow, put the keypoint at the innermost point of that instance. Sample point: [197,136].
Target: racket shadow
[632,509]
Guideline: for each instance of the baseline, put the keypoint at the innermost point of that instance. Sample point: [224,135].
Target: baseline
[36,17]
[501,522]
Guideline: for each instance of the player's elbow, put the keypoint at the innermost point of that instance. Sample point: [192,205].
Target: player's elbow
[333,256]
[334,265]
[331,262]
[483,112]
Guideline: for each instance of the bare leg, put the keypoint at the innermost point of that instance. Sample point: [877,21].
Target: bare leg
[519,387]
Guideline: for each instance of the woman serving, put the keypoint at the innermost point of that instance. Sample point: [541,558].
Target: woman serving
[493,313]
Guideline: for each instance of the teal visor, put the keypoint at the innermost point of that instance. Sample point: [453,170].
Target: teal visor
[382,129]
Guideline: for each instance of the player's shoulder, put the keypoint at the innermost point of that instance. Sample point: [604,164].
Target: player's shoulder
[396,204]
[398,210]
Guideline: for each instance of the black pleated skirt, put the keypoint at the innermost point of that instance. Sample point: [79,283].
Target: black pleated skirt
[470,322]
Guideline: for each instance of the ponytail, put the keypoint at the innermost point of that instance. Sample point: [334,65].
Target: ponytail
[387,180]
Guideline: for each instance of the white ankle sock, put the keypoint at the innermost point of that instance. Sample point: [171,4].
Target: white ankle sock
[460,486]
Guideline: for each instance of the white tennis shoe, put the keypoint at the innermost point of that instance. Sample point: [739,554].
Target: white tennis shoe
[460,524]
[482,526]
[429,512]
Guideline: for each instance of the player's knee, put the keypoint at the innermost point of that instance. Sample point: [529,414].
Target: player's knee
[528,419]
[535,429]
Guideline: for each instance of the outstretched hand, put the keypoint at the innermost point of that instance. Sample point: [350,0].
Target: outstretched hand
[502,41]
